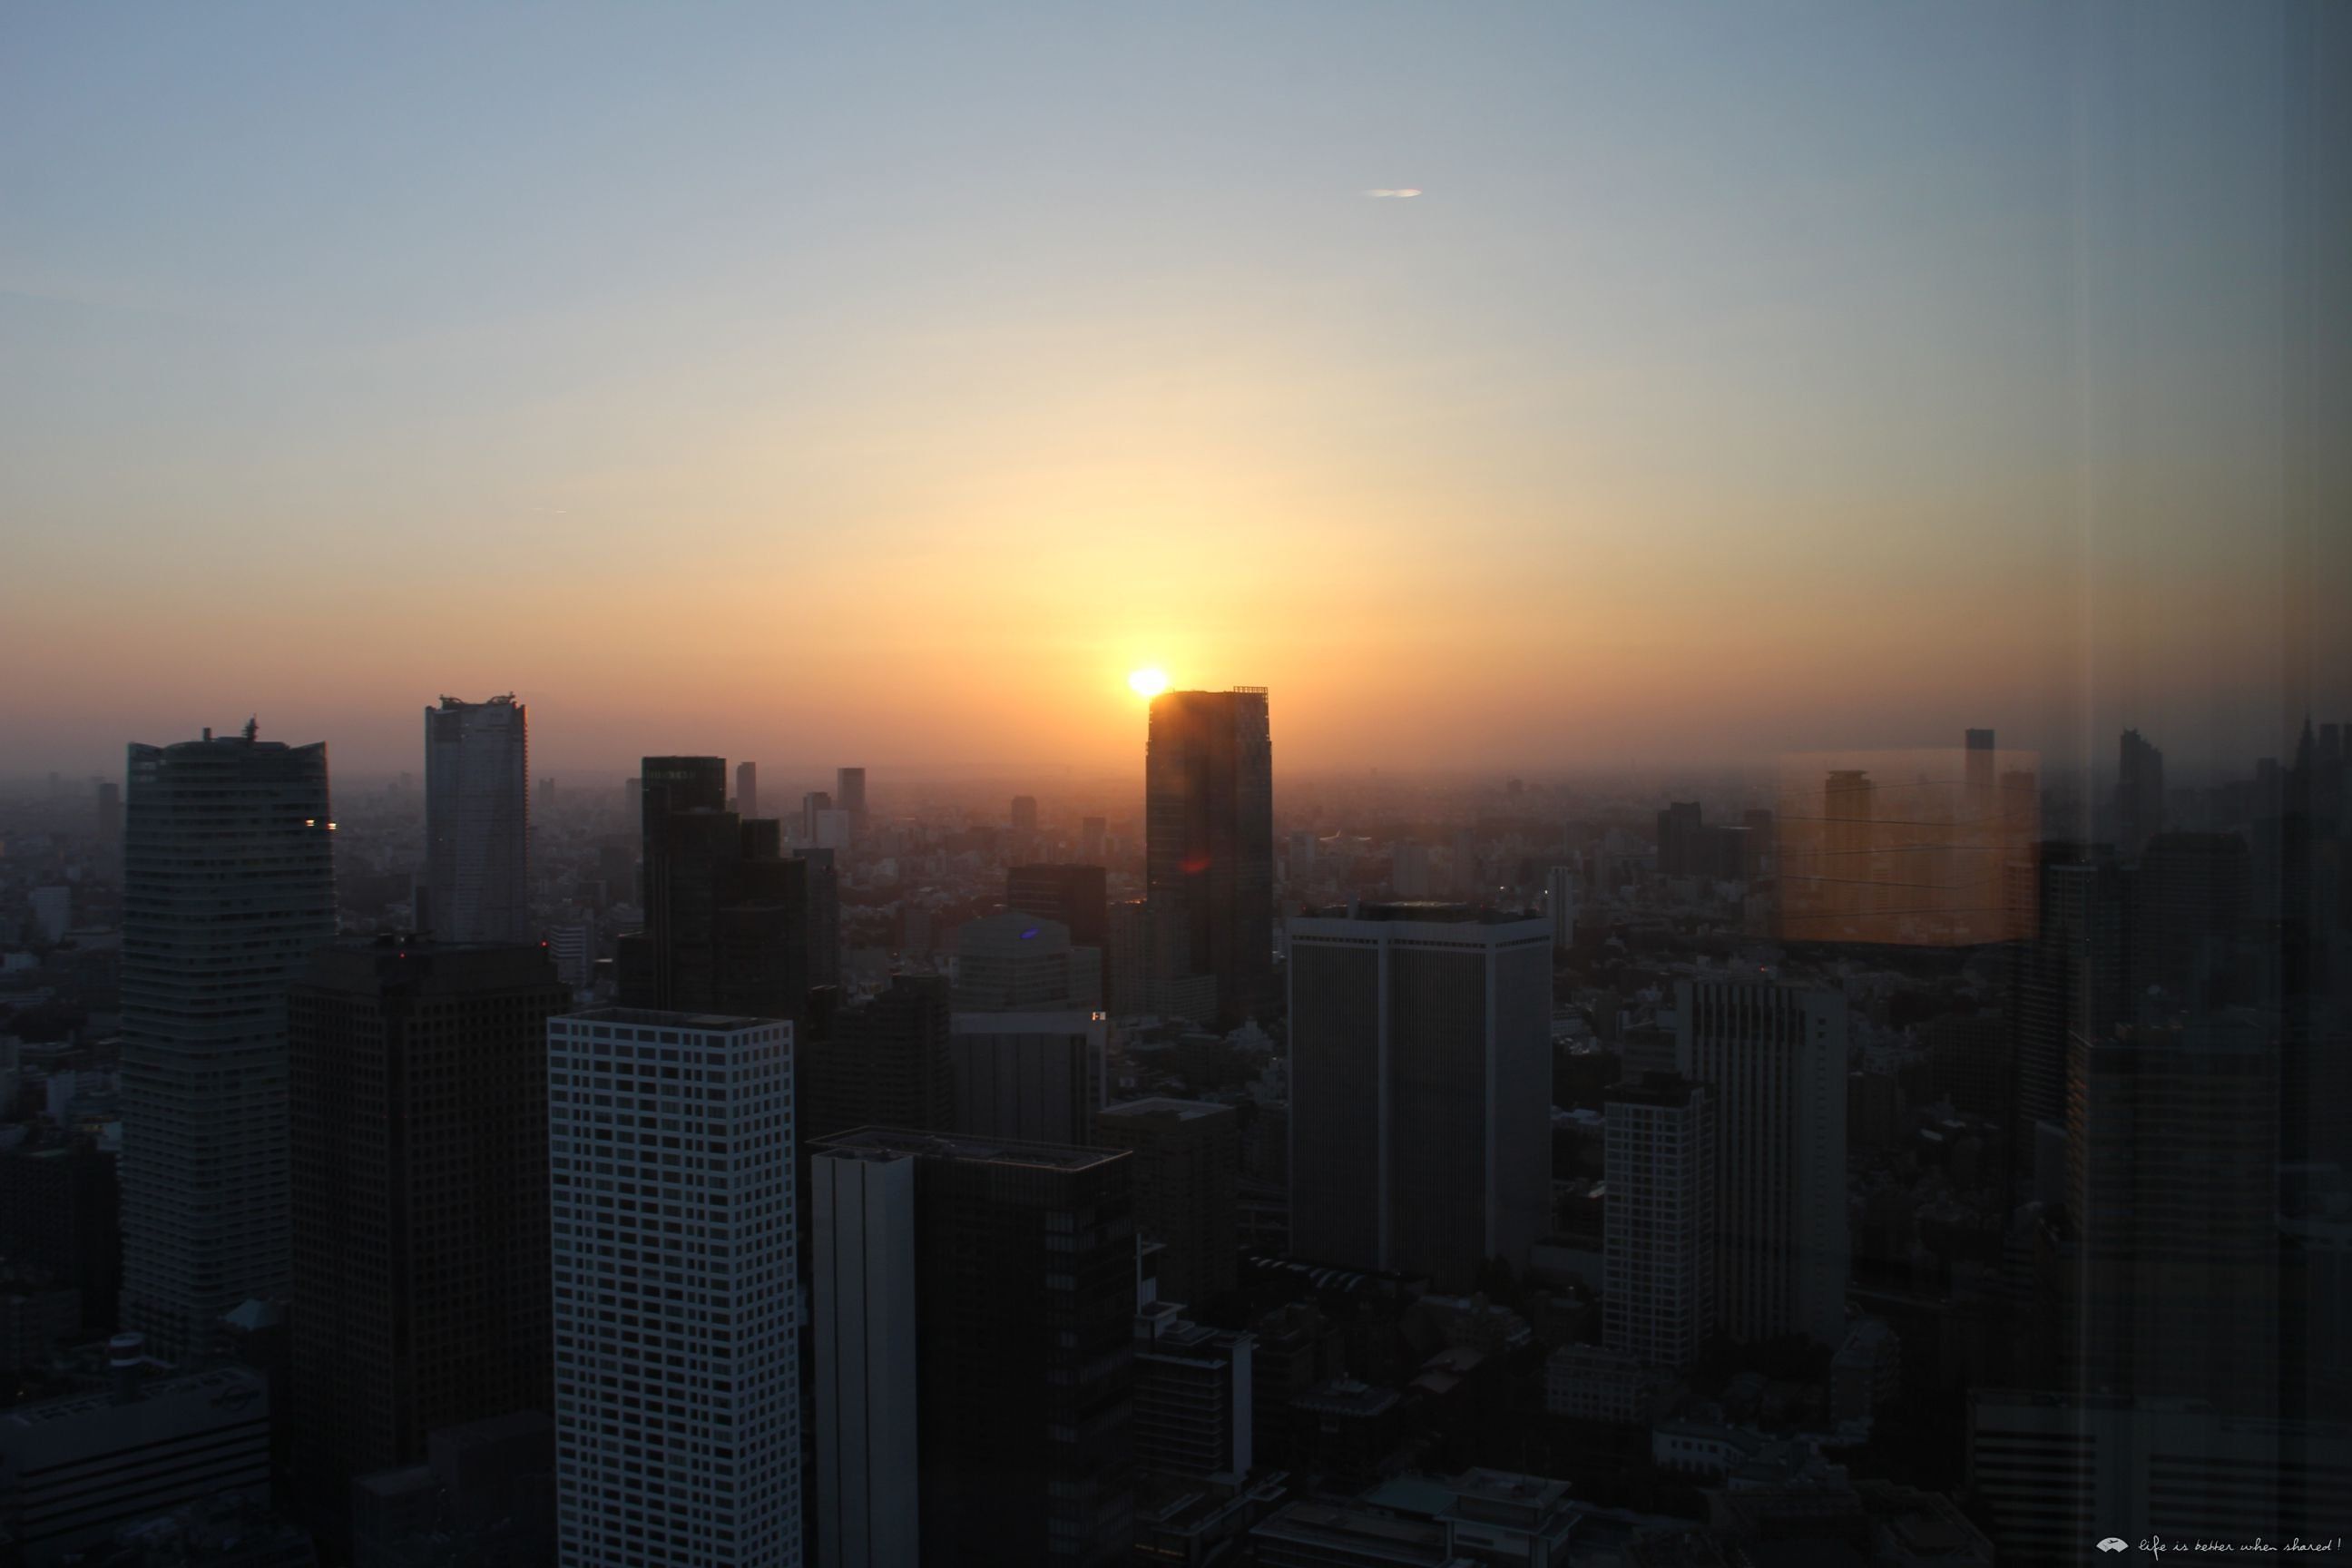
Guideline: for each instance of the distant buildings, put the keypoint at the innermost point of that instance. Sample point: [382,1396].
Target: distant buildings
[477,821]
[1658,1303]
[2139,793]
[1773,1059]
[692,1456]
[1563,900]
[1074,897]
[1209,850]
[746,790]
[418,1144]
[228,888]
[1421,1088]
[1023,815]
[1186,1170]
[1022,1347]
[849,795]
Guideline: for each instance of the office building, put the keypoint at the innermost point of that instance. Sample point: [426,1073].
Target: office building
[1187,1165]
[746,790]
[228,888]
[2069,979]
[733,924]
[477,821]
[1659,1233]
[884,1062]
[2139,793]
[1772,1059]
[61,1208]
[1021,1346]
[1073,896]
[1013,962]
[1127,959]
[417,1116]
[573,950]
[1563,899]
[849,795]
[1193,1413]
[863,1322]
[1035,1076]
[76,1470]
[1208,844]
[1421,1088]
[1025,814]
[2172,1152]
[677,1345]
[1680,831]
[815,804]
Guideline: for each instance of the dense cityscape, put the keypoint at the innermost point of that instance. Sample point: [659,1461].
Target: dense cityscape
[1916,1163]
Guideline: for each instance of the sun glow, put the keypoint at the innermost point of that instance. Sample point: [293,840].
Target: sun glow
[1148,683]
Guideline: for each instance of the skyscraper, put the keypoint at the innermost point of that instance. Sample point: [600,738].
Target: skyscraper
[1421,1088]
[1659,1227]
[1025,814]
[1023,1346]
[862,1318]
[2139,793]
[732,923]
[1772,1059]
[849,795]
[1187,1164]
[746,790]
[478,820]
[1563,895]
[884,1063]
[419,1143]
[1037,1076]
[676,1357]
[1013,962]
[1209,842]
[228,888]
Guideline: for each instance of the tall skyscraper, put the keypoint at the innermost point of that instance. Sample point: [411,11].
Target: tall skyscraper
[849,795]
[732,923]
[1658,1232]
[884,1063]
[1187,1164]
[228,888]
[676,1343]
[1023,1347]
[1209,842]
[2139,793]
[478,820]
[419,1143]
[1773,1060]
[1421,1088]
[746,790]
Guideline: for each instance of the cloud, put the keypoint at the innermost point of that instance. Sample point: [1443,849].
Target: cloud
[1398,194]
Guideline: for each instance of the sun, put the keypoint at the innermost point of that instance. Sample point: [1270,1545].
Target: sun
[1148,683]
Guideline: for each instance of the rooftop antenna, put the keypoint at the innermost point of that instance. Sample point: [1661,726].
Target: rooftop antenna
[252,726]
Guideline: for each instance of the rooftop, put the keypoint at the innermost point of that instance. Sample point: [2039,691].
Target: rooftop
[652,1017]
[962,1146]
[1167,1105]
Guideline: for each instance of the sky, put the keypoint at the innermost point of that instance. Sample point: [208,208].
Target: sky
[828,382]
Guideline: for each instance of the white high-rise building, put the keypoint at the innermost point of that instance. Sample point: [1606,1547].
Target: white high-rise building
[477,821]
[1658,1304]
[670,1145]
[862,1280]
[1774,1057]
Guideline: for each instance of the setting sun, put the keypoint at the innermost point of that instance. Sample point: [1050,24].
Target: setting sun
[1148,683]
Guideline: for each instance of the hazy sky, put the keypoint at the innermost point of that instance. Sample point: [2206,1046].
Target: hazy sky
[837,382]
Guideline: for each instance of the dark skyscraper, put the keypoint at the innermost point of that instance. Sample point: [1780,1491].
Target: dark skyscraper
[849,793]
[2139,793]
[228,888]
[1679,829]
[1209,851]
[478,820]
[1022,1348]
[1186,1165]
[746,790]
[884,1063]
[1421,1088]
[732,923]
[419,1143]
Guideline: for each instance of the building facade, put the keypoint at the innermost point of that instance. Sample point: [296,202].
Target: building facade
[477,821]
[228,888]
[1659,1240]
[1421,1088]
[1209,843]
[1187,1168]
[676,1300]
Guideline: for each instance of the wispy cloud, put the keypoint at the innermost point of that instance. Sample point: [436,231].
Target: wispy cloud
[1398,194]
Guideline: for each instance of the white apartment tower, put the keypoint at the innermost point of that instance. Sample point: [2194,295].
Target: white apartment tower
[1773,1059]
[1659,1231]
[676,1388]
